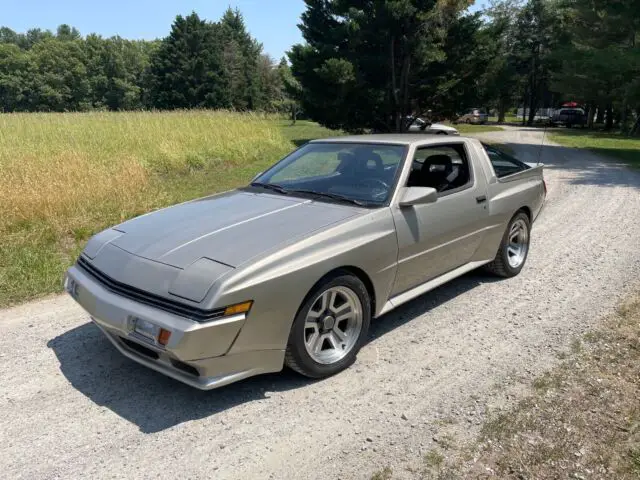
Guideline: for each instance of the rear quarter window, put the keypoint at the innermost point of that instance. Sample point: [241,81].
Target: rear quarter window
[504,164]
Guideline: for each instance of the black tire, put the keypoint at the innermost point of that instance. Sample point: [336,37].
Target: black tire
[296,356]
[500,265]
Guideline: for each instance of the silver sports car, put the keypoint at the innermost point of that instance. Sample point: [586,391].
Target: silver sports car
[290,269]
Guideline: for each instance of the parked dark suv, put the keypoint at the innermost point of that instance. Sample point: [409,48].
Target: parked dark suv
[569,117]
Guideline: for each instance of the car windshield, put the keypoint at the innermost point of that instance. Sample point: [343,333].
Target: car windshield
[359,173]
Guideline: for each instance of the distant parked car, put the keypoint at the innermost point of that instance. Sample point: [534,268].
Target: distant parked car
[569,117]
[476,116]
[420,125]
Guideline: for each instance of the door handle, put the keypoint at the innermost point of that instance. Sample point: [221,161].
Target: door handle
[481,199]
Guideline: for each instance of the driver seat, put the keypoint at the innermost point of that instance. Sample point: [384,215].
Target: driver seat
[438,172]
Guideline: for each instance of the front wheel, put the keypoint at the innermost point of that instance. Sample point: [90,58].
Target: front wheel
[514,248]
[330,327]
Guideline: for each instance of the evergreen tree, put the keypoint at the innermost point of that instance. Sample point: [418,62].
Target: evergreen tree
[365,62]
[187,70]
[241,62]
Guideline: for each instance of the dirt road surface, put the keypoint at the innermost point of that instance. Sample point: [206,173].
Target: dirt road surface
[72,407]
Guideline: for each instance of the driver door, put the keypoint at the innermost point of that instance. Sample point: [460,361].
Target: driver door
[436,238]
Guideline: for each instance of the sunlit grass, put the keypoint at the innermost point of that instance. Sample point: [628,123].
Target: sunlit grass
[612,145]
[64,177]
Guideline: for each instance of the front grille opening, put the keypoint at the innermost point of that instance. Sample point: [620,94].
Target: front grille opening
[147,298]
[147,352]
[185,368]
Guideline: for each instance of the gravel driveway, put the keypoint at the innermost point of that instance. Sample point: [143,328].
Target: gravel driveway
[73,407]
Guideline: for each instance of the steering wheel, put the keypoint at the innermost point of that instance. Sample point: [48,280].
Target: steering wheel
[374,182]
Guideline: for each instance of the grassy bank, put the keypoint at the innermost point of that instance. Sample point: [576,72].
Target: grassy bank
[608,144]
[582,419]
[64,177]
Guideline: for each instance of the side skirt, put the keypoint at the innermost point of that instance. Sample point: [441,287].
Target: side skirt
[430,285]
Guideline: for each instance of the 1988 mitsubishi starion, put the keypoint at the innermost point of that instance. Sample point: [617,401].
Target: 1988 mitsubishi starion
[291,269]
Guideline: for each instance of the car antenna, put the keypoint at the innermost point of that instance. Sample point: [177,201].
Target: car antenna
[544,133]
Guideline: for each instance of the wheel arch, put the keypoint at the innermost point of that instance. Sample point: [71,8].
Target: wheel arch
[526,210]
[356,272]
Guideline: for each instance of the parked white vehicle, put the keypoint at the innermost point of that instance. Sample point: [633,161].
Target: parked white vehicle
[420,125]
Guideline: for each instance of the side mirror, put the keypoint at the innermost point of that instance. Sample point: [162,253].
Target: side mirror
[418,196]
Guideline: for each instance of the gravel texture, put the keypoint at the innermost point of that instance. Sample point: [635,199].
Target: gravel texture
[72,407]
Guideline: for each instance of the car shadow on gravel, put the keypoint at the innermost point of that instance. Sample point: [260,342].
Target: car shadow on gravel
[419,306]
[154,402]
[142,396]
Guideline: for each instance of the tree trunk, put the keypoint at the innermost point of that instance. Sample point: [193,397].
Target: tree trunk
[635,131]
[591,116]
[600,116]
[609,120]
[533,87]
[501,111]
[397,120]
[525,98]
[624,115]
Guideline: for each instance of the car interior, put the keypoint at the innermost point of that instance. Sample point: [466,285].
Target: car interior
[368,172]
[442,168]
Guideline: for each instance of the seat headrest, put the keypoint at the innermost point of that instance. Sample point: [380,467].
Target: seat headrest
[438,164]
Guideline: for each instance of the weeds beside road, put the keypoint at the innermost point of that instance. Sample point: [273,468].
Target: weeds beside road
[64,177]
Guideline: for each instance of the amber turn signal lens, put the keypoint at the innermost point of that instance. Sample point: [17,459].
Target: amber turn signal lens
[243,307]
[164,336]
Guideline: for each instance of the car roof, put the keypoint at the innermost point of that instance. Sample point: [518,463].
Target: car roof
[392,139]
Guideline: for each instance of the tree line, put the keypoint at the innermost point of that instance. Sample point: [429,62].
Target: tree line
[200,64]
[375,64]
[363,65]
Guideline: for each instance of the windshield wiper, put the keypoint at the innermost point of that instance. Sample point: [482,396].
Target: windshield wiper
[333,196]
[271,186]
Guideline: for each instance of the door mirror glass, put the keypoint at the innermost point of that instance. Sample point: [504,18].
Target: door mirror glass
[418,196]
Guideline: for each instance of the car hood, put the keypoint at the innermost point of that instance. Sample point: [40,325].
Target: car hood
[230,228]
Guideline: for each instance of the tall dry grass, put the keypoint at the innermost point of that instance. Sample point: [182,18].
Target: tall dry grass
[64,177]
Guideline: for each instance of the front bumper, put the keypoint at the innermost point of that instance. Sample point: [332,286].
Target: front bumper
[196,353]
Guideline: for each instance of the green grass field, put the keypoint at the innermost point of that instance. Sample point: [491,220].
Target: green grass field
[609,144]
[507,119]
[64,177]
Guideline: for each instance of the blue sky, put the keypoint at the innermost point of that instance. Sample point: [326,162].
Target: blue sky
[272,22]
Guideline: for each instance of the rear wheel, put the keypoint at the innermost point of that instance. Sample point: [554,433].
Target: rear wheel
[514,248]
[330,327]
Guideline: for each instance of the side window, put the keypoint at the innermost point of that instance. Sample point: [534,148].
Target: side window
[443,167]
[504,164]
